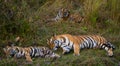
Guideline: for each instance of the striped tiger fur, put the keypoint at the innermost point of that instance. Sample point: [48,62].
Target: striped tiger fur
[70,42]
[29,52]
[76,17]
[64,14]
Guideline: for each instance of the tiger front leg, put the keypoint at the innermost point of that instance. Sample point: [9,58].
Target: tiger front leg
[76,50]
[28,58]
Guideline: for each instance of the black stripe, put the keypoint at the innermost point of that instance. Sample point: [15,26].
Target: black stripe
[112,46]
[48,52]
[68,48]
[35,51]
[69,43]
[39,51]
[42,51]
[31,52]
[72,45]
[83,45]
[83,41]
[65,46]
[105,46]
[64,40]
[102,46]
[91,41]
[96,42]
[21,52]
[17,49]
[86,42]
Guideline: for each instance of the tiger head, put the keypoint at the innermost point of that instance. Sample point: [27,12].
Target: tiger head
[64,13]
[10,51]
[54,42]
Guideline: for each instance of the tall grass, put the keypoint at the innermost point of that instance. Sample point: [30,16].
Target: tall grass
[101,11]
[18,17]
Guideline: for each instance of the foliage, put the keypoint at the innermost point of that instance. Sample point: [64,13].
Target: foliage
[27,19]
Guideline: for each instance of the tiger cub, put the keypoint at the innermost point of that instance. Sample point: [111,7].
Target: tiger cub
[70,42]
[64,14]
[76,18]
[29,52]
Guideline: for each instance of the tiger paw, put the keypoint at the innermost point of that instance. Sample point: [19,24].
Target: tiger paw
[64,53]
[29,60]
[76,54]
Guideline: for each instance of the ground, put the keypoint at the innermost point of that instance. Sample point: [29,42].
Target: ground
[27,19]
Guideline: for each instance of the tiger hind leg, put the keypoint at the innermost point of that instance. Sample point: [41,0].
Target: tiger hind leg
[109,48]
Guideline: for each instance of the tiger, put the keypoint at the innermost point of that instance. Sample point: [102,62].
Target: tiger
[29,52]
[64,14]
[76,17]
[70,42]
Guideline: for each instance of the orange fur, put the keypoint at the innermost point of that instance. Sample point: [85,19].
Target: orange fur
[76,17]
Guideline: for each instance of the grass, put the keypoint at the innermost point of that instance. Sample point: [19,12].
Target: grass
[27,19]
[86,58]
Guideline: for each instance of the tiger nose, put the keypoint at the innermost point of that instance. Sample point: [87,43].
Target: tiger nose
[11,54]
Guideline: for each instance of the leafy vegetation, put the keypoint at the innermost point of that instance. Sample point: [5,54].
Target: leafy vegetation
[27,19]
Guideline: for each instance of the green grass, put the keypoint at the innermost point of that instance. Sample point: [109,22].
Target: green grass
[87,58]
[27,19]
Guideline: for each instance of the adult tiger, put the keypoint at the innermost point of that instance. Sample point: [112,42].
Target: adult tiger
[29,52]
[68,42]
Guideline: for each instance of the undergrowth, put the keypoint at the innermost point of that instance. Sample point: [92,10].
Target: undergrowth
[27,19]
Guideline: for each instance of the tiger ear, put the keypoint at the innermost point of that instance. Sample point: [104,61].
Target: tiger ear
[54,35]
[48,41]
[17,39]
[10,44]
[17,50]
[4,49]
[62,9]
